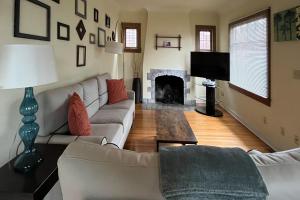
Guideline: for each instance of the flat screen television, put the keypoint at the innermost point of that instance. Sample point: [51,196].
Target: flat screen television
[210,65]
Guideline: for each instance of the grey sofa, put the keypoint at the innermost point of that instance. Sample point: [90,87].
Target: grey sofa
[108,173]
[112,122]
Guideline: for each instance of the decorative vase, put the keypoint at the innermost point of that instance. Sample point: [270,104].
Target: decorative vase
[137,88]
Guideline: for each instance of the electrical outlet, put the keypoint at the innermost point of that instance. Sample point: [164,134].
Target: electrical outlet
[282,131]
[265,120]
[296,140]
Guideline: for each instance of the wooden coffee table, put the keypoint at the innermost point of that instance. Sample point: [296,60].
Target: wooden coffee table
[172,127]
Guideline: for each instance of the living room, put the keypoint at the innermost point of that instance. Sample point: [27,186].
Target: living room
[95,44]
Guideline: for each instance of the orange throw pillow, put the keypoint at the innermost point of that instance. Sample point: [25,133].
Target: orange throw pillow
[116,91]
[78,120]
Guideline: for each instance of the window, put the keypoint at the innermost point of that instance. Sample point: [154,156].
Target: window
[250,56]
[205,38]
[131,37]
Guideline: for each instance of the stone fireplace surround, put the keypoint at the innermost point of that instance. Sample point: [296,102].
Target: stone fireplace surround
[154,73]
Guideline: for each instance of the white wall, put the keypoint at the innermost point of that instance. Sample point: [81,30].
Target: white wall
[65,51]
[285,109]
[138,16]
[171,23]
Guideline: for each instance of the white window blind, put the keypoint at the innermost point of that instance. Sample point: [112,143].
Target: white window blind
[249,56]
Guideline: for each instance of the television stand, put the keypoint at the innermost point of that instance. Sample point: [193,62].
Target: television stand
[210,109]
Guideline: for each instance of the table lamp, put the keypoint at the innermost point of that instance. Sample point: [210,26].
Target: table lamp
[27,66]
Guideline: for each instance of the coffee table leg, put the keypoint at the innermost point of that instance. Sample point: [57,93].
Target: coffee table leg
[157,146]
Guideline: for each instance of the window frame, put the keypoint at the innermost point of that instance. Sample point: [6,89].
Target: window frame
[267,14]
[137,26]
[212,30]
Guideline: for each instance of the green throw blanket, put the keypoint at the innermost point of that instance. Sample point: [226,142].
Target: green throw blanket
[200,172]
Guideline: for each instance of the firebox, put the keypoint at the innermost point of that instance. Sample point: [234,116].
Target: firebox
[169,90]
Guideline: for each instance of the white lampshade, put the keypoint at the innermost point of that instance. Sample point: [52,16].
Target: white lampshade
[24,66]
[114,47]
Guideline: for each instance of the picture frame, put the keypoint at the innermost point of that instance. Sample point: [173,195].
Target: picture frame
[80,56]
[27,33]
[60,28]
[81,30]
[96,15]
[79,10]
[107,21]
[92,38]
[56,1]
[101,37]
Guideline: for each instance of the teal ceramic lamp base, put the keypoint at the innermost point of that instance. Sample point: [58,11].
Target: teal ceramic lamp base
[30,157]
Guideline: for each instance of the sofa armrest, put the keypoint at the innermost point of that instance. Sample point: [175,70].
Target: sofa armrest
[280,172]
[131,94]
[96,168]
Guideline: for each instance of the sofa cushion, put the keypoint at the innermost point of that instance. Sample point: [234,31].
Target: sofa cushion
[91,95]
[281,173]
[78,119]
[110,116]
[127,104]
[112,132]
[116,91]
[102,87]
[53,109]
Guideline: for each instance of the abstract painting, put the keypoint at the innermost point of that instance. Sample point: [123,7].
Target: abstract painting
[287,25]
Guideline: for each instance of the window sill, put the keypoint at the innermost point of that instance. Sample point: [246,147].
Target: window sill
[128,50]
[265,101]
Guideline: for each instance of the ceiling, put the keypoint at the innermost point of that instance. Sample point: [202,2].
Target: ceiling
[180,5]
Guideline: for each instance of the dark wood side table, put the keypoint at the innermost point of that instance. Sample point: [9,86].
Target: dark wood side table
[35,184]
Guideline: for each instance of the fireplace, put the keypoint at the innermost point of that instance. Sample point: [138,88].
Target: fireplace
[169,90]
[182,91]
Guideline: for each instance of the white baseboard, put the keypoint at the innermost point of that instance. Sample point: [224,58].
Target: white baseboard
[248,126]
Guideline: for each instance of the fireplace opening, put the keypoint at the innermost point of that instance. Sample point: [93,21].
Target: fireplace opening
[169,90]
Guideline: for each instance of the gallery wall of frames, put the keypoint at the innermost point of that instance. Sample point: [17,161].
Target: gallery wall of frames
[63,28]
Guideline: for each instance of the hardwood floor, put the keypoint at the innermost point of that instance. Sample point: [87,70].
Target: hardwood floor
[221,132]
